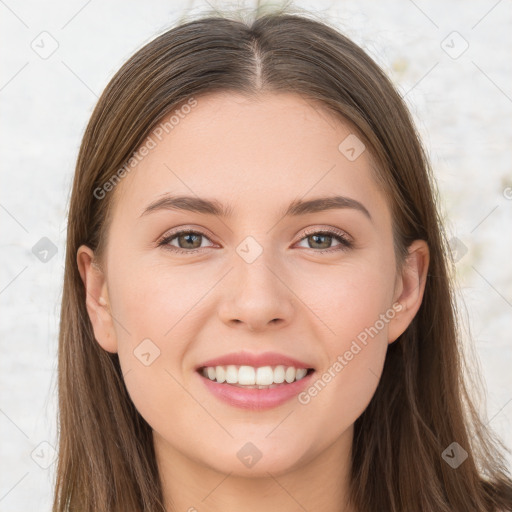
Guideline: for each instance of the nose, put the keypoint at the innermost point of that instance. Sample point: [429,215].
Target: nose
[256,298]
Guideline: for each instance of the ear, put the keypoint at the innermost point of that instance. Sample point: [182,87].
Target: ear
[96,299]
[409,288]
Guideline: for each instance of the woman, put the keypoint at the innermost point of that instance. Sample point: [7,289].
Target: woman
[257,311]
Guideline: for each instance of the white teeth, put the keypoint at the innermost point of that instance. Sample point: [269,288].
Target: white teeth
[289,375]
[246,376]
[279,374]
[264,376]
[261,377]
[220,373]
[231,374]
[301,373]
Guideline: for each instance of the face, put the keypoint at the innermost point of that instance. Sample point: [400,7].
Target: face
[318,285]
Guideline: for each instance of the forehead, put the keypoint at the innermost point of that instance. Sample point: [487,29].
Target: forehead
[253,151]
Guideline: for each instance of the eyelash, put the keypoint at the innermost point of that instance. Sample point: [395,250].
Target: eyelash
[345,243]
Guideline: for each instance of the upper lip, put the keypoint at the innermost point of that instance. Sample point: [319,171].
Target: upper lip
[255,360]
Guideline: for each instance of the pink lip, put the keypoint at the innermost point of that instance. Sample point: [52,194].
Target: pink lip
[253,398]
[255,360]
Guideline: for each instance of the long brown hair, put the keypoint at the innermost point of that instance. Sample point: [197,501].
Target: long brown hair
[421,406]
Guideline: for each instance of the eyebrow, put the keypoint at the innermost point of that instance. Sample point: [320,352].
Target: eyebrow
[214,207]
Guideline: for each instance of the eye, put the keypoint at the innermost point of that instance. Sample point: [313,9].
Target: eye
[190,241]
[323,240]
[186,241]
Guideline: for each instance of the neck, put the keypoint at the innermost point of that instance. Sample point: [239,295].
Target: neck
[320,483]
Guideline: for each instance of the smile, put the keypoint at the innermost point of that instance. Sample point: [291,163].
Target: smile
[255,388]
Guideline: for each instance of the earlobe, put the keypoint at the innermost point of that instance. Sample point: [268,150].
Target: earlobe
[96,299]
[410,288]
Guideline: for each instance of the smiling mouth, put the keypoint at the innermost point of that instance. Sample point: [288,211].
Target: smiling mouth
[249,377]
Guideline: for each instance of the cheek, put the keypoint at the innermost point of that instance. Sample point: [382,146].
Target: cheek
[155,301]
[348,297]
[354,358]
[341,392]
[157,313]
[354,304]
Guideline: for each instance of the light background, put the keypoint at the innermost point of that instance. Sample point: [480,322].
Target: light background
[462,107]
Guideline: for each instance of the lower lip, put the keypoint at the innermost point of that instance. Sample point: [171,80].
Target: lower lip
[253,398]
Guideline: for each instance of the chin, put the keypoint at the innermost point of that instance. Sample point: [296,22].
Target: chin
[256,459]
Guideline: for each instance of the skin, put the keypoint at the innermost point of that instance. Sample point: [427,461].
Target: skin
[257,155]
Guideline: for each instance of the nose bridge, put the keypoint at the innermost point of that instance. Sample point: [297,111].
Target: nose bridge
[256,296]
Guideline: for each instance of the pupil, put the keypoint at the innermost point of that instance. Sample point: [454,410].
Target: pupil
[324,245]
[189,236]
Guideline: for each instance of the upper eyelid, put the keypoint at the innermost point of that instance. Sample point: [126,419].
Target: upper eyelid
[330,231]
[172,234]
